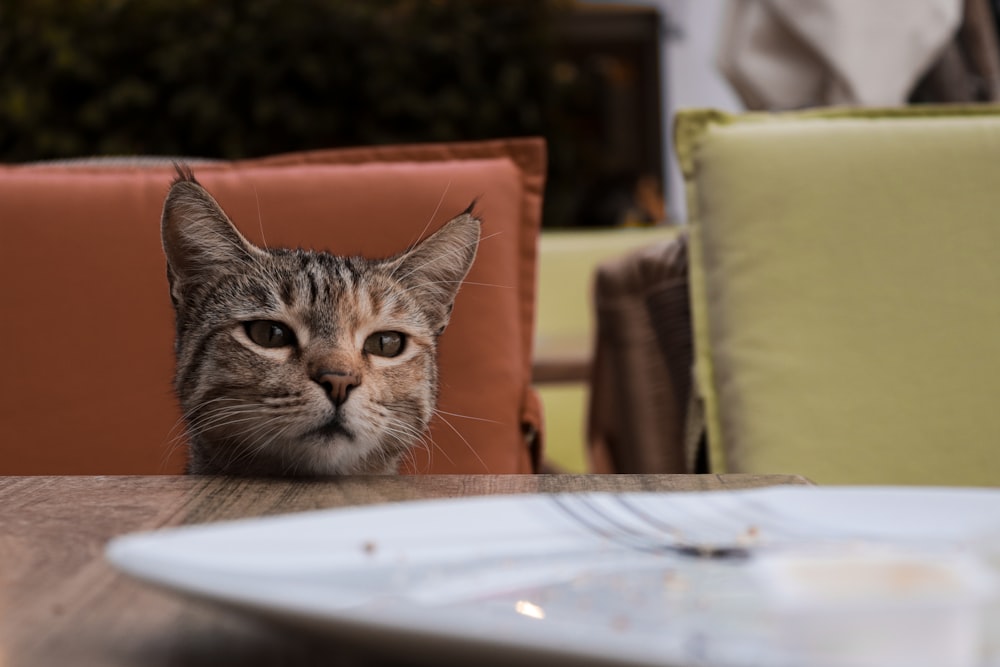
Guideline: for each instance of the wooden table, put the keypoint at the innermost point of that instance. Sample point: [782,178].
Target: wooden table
[61,603]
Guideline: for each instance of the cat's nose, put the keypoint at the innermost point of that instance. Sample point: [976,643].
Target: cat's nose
[338,384]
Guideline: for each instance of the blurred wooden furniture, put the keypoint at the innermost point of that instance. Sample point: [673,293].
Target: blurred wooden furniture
[643,416]
[566,325]
[61,603]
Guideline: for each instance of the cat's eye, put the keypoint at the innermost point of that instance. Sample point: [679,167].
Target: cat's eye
[385,343]
[269,334]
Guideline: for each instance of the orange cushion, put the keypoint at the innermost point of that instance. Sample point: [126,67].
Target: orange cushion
[88,328]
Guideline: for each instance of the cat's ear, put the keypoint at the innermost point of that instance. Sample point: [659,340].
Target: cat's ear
[198,237]
[437,266]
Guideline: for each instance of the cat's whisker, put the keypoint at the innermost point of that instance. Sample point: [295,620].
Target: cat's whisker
[246,450]
[477,419]
[250,449]
[462,438]
[410,441]
[413,244]
[175,438]
[212,418]
[272,428]
[266,442]
[249,439]
[224,423]
[451,282]
[171,445]
[403,434]
[430,220]
[260,218]
[470,282]
[412,438]
[455,252]
[244,258]
[263,404]
[179,430]
[210,407]
[428,446]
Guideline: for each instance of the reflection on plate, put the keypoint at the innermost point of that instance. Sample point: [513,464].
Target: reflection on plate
[832,576]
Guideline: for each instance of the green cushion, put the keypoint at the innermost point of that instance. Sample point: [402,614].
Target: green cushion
[846,291]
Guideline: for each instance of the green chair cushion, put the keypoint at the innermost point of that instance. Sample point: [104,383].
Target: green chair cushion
[846,291]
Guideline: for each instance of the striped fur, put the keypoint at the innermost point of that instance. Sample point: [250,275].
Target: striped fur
[260,410]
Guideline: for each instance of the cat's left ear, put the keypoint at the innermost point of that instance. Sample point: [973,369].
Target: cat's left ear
[199,239]
[436,267]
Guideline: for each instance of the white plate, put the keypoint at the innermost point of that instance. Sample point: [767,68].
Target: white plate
[533,576]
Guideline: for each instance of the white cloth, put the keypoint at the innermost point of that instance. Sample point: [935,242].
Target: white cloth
[789,54]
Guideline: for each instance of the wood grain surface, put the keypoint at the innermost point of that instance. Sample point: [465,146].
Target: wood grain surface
[61,603]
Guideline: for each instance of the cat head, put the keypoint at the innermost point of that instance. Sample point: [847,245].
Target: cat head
[300,362]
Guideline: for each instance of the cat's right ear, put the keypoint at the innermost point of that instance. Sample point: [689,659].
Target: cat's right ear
[198,237]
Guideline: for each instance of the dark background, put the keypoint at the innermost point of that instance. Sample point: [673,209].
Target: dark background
[233,79]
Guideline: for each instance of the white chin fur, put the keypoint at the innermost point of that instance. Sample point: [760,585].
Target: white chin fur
[342,456]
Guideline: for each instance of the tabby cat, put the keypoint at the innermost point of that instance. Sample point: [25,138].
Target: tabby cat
[294,362]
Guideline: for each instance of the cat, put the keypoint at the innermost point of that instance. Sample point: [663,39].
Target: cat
[297,362]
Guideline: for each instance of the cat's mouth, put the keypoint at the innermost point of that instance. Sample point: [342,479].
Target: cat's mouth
[333,428]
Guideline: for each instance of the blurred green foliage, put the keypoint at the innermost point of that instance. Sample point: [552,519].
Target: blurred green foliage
[241,78]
